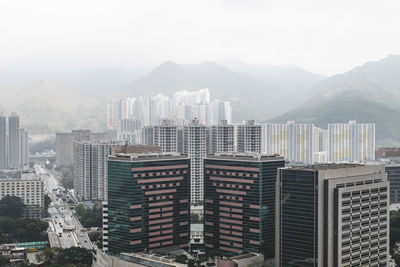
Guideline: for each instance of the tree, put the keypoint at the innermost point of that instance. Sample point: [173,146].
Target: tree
[11,206]
[181,259]
[4,260]
[74,255]
[80,210]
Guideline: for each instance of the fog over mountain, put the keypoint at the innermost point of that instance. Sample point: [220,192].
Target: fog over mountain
[368,93]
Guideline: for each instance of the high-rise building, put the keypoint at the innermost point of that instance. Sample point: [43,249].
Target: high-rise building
[249,137]
[291,140]
[148,135]
[195,146]
[64,144]
[222,137]
[148,202]
[239,202]
[90,168]
[352,142]
[166,136]
[332,215]
[3,142]
[24,148]
[393,175]
[13,142]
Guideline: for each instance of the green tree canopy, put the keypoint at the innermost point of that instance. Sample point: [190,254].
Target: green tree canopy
[11,206]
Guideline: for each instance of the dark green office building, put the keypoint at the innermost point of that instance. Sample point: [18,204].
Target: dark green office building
[148,202]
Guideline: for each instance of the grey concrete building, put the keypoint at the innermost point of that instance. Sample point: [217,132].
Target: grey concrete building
[13,142]
[64,144]
[3,142]
[222,137]
[166,136]
[332,215]
[90,168]
[195,146]
[249,137]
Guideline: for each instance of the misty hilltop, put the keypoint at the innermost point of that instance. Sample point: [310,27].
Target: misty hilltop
[367,93]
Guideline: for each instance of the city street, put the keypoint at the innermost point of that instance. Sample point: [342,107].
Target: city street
[65,230]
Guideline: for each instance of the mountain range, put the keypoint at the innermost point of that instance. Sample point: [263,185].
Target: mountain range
[368,93]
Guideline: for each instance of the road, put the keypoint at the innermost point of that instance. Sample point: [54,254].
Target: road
[65,229]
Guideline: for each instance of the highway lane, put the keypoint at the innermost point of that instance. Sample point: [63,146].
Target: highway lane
[61,215]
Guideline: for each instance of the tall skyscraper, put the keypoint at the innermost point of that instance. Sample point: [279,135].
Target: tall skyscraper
[90,168]
[13,142]
[166,136]
[332,215]
[239,202]
[393,173]
[249,137]
[148,202]
[24,148]
[292,141]
[64,144]
[222,137]
[352,142]
[195,146]
[3,142]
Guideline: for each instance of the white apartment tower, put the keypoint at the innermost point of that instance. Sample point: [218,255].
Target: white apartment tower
[13,142]
[166,136]
[292,141]
[222,137]
[249,137]
[351,142]
[90,168]
[3,142]
[195,146]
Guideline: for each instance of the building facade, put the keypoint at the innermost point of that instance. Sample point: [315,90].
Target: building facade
[239,205]
[393,174]
[222,137]
[295,142]
[249,137]
[332,215]
[3,142]
[90,168]
[29,188]
[13,142]
[352,142]
[148,202]
[64,144]
[166,136]
[195,146]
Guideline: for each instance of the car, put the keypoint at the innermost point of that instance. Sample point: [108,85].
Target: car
[85,241]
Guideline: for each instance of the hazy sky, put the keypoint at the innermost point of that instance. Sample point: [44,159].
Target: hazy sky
[321,36]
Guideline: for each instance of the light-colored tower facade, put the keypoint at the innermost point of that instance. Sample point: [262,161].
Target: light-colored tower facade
[222,137]
[195,146]
[13,142]
[352,142]
[249,137]
[292,141]
[3,142]
[166,136]
[332,215]
[90,168]
[24,148]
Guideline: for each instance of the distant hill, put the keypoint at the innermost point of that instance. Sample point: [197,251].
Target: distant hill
[369,93]
[252,97]
[45,107]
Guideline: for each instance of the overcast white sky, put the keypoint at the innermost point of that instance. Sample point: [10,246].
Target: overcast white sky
[327,37]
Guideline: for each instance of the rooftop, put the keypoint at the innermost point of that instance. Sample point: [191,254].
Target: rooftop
[326,166]
[146,156]
[248,156]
